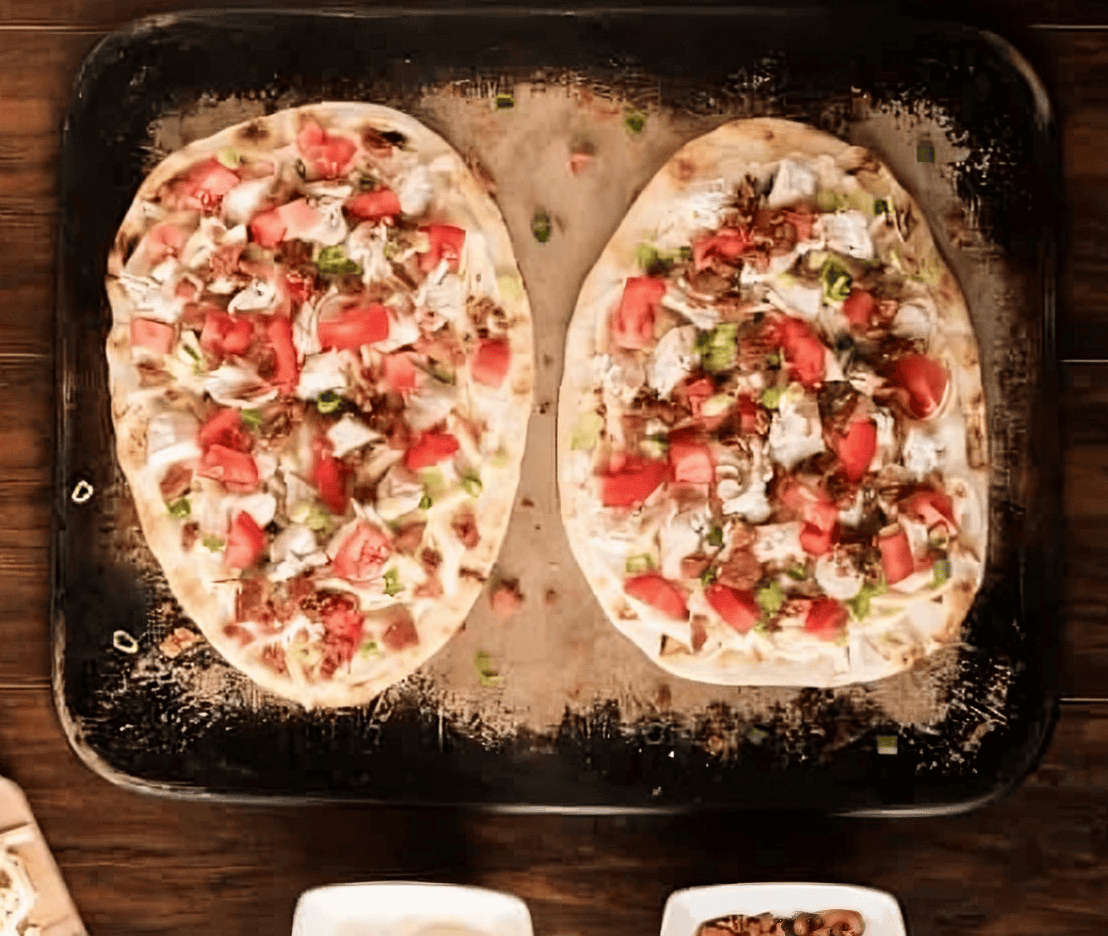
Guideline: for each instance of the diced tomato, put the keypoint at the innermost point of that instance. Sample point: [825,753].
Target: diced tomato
[490,361]
[820,515]
[299,217]
[738,608]
[362,552]
[400,634]
[156,336]
[924,379]
[205,184]
[634,481]
[804,352]
[380,203]
[268,228]
[695,392]
[691,461]
[930,507]
[802,221]
[327,154]
[345,625]
[161,241]
[400,373]
[330,474]
[245,542]
[429,449]
[896,556]
[225,428]
[225,334]
[633,322]
[748,414]
[857,448]
[236,470]
[279,332]
[817,542]
[728,243]
[658,592]
[859,307]
[446,244]
[826,618]
[355,325]
[299,287]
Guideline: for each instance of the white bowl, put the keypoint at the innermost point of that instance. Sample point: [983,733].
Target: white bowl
[687,909]
[409,909]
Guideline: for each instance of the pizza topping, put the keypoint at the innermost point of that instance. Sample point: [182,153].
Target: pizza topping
[632,480]
[633,321]
[154,336]
[225,334]
[237,471]
[429,449]
[856,448]
[374,205]
[656,591]
[326,154]
[363,549]
[826,618]
[330,476]
[491,361]
[445,243]
[245,542]
[353,325]
[923,382]
[737,607]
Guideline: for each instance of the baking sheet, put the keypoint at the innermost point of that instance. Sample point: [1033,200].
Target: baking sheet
[579,717]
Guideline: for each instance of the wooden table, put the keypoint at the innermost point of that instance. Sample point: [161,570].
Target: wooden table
[1035,863]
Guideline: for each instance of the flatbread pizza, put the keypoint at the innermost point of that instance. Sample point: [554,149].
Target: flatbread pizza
[771,447]
[321,373]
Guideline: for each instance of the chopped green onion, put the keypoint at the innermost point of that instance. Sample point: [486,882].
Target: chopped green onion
[761,628]
[941,573]
[771,397]
[886,744]
[828,202]
[797,571]
[369,649]
[637,565]
[180,508]
[486,671]
[510,285]
[328,402]
[774,359]
[635,121]
[229,157]
[835,279]
[881,206]
[319,519]
[647,257]
[719,347]
[212,542]
[860,604]
[505,101]
[471,483]
[252,418]
[392,582]
[442,373]
[938,537]
[541,227]
[586,434]
[708,576]
[655,446]
[425,501]
[390,250]
[771,598]
[716,405]
[333,260]
[715,537]
[191,351]
[434,482]
[684,253]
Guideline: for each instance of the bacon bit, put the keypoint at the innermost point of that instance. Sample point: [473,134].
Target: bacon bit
[190,533]
[692,567]
[176,482]
[343,622]
[274,657]
[464,525]
[224,260]
[252,600]
[430,558]
[401,633]
[505,599]
[152,375]
[409,537]
[742,570]
[178,641]
[432,588]
[239,634]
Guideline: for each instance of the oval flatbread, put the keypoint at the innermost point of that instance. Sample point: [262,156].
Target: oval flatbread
[771,455]
[321,370]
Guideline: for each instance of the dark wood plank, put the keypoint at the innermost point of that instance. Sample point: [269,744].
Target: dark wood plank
[1037,862]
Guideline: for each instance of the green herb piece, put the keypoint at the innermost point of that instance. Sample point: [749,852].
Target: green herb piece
[797,571]
[835,279]
[586,434]
[940,574]
[333,260]
[715,537]
[425,501]
[684,253]
[761,628]
[647,257]
[719,347]
[486,671]
[180,508]
[637,565]
[252,418]
[392,582]
[191,352]
[828,202]
[771,397]
[369,649]
[212,542]
[442,373]
[770,598]
[541,227]
[938,537]
[500,458]
[859,605]
[708,576]
[881,206]
[328,401]
[505,101]
[319,519]
[655,446]
[391,250]
[471,483]
[229,157]
[367,183]
[716,405]
[635,121]
[774,359]
[434,482]
[925,151]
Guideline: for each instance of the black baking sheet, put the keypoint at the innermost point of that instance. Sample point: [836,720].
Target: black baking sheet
[138,727]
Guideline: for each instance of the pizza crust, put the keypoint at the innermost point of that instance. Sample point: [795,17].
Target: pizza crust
[879,647]
[197,579]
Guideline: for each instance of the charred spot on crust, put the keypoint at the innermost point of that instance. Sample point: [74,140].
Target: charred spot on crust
[257,131]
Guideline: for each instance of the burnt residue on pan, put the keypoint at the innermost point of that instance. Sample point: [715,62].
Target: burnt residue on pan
[964,726]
